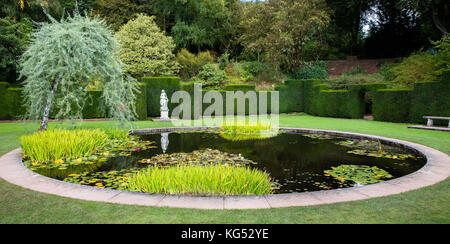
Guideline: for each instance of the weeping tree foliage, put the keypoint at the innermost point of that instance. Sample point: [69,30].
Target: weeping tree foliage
[63,58]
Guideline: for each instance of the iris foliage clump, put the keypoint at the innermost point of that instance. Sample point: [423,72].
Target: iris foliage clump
[52,145]
[239,131]
[59,153]
[211,179]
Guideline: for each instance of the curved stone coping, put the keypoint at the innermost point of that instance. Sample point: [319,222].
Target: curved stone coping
[437,169]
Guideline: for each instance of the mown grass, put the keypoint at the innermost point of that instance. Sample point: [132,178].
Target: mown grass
[209,179]
[426,205]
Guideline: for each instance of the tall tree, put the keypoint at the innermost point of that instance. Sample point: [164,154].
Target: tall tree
[435,11]
[63,59]
[198,24]
[146,50]
[32,9]
[13,41]
[117,13]
[347,19]
[285,32]
[401,27]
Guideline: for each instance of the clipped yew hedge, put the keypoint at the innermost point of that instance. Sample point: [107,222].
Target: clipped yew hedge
[11,103]
[391,105]
[154,87]
[310,96]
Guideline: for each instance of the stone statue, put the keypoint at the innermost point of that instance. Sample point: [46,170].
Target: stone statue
[164,108]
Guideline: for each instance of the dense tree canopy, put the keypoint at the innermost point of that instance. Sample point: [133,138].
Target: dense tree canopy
[13,41]
[286,32]
[282,32]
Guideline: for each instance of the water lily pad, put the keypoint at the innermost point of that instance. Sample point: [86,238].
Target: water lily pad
[200,157]
[360,174]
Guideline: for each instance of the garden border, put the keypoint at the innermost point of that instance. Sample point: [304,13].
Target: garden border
[435,170]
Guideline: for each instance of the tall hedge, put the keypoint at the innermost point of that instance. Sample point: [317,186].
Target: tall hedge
[11,103]
[331,103]
[154,87]
[430,99]
[309,90]
[286,105]
[360,97]
[391,105]
[294,95]
[141,102]
[4,110]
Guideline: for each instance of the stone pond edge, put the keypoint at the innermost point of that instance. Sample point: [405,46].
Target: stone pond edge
[434,171]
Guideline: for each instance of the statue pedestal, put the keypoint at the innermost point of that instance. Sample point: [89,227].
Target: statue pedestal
[164,117]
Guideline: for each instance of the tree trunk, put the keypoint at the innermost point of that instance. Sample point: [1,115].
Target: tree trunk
[48,107]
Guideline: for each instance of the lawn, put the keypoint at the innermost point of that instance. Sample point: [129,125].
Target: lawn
[426,205]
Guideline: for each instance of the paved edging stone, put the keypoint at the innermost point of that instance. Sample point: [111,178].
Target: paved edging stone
[436,170]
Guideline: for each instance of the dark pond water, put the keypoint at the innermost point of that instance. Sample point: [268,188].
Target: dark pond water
[296,161]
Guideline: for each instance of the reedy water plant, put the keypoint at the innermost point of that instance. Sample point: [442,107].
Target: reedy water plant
[219,179]
[54,145]
[239,131]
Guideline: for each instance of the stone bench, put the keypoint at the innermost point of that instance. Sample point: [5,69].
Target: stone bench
[431,118]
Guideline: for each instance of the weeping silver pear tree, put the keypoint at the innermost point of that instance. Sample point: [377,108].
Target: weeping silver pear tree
[65,57]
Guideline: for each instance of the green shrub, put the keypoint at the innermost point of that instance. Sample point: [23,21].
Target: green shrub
[192,64]
[145,49]
[356,71]
[442,56]
[418,67]
[240,87]
[201,180]
[421,66]
[346,81]
[250,70]
[223,60]
[91,109]
[285,100]
[311,70]
[212,76]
